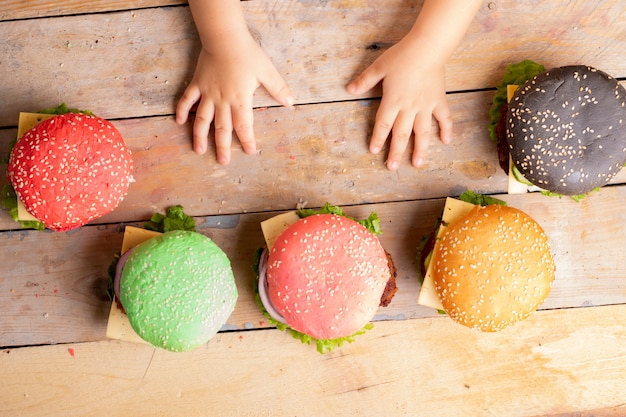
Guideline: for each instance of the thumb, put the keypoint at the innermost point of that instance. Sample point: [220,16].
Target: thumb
[277,88]
[365,82]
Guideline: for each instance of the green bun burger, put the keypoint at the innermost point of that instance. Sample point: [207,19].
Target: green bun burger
[177,289]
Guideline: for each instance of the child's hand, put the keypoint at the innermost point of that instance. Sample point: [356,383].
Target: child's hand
[224,83]
[413,92]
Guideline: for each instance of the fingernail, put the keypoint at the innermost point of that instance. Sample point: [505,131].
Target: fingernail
[447,140]
[419,163]
[375,150]
[199,150]
[393,165]
[289,100]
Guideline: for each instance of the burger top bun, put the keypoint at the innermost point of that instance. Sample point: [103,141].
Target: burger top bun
[70,169]
[177,290]
[566,129]
[326,274]
[492,268]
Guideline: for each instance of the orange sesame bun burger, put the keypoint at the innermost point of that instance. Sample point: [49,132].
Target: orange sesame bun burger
[325,276]
[491,266]
[70,169]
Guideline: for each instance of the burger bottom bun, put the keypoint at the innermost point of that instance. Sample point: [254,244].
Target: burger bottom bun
[492,268]
[178,290]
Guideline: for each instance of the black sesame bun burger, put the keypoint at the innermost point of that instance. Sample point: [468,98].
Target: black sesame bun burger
[564,130]
[325,276]
[68,170]
[491,266]
[176,288]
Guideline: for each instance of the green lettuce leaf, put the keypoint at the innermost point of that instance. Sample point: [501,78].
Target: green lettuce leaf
[174,219]
[575,197]
[372,223]
[520,178]
[9,202]
[63,109]
[470,196]
[515,74]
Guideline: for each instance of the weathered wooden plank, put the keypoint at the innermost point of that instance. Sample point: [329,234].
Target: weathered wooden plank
[136,63]
[16,9]
[313,153]
[557,363]
[58,295]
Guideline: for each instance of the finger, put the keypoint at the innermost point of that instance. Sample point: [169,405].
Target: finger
[400,135]
[243,121]
[444,118]
[186,102]
[277,87]
[385,118]
[223,134]
[366,81]
[422,128]
[201,126]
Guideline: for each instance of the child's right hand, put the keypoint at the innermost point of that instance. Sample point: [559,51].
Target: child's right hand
[224,83]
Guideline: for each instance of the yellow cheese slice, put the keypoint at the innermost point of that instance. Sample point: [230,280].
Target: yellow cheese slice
[510,90]
[118,326]
[452,211]
[133,236]
[26,122]
[273,227]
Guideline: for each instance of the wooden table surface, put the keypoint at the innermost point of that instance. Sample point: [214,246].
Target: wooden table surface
[130,61]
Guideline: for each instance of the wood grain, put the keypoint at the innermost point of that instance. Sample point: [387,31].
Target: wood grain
[130,62]
[556,363]
[323,144]
[59,296]
[123,64]
[16,9]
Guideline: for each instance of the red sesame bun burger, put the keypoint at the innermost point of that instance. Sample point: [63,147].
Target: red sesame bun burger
[491,266]
[564,128]
[70,169]
[325,276]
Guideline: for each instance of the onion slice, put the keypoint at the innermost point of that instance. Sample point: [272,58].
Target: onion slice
[264,289]
[118,272]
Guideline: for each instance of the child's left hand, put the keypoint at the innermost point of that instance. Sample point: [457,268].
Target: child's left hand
[413,92]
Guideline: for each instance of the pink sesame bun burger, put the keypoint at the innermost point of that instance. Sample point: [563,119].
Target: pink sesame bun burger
[70,169]
[324,279]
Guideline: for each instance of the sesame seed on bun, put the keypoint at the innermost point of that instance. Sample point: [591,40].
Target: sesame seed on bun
[70,169]
[326,275]
[177,290]
[492,268]
[566,129]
